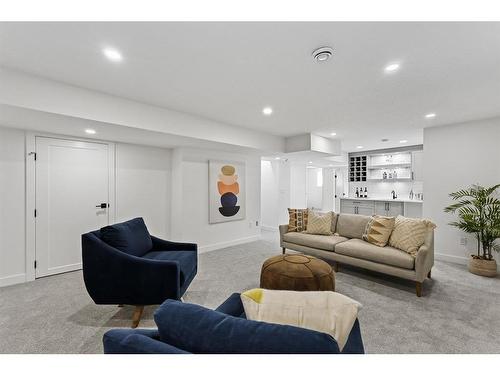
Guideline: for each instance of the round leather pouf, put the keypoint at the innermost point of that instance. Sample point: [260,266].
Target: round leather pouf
[297,272]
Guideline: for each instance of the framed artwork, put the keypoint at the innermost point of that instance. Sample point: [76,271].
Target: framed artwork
[226,189]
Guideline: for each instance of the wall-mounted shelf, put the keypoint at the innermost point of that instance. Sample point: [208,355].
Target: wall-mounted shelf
[390,179]
[390,166]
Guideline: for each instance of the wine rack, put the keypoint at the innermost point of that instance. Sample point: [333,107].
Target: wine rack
[357,168]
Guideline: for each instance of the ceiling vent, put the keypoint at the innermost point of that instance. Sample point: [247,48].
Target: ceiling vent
[322,54]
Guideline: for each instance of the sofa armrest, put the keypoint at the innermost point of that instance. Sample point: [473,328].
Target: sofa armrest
[163,245]
[283,229]
[423,262]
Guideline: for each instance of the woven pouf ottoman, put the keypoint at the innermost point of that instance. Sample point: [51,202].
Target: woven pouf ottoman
[297,272]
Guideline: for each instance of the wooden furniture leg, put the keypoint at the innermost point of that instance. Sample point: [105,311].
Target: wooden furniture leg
[120,305]
[336,266]
[136,318]
[419,289]
[284,249]
[429,275]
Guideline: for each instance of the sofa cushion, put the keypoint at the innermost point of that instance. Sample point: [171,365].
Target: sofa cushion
[197,329]
[131,237]
[410,233]
[317,241]
[187,260]
[386,255]
[378,230]
[319,223]
[352,226]
[297,219]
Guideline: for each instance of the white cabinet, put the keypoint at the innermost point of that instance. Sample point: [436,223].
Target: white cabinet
[389,208]
[358,207]
[417,165]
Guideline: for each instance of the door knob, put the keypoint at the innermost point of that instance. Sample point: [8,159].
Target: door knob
[102,205]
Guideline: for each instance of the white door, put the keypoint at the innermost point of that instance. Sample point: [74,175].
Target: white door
[71,179]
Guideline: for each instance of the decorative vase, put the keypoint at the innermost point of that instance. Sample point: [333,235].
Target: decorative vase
[483,267]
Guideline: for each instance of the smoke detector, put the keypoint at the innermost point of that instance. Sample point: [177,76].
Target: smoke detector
[322,54]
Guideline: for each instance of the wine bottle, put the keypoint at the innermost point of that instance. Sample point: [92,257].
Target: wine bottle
[357,193]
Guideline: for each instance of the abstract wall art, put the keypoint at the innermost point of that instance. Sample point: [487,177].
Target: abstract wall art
[226,191]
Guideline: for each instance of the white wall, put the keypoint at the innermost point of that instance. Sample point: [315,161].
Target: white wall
[143,179]
[143,182]
[189,215]
[456,156]
[269,193]
[314,192]
[12,207]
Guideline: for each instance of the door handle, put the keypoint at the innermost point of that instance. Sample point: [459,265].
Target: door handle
[102,205]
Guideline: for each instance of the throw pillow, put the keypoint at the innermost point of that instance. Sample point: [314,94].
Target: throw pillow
[327,312]
[319,223]
[297,221]
[378,230]
[409,234]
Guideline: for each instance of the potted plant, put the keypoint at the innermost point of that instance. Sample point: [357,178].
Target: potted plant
[478,210]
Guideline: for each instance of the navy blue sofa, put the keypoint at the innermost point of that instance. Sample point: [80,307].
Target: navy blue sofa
[124,265]
[185,328]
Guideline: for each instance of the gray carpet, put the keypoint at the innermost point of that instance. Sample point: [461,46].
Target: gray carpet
[458,313]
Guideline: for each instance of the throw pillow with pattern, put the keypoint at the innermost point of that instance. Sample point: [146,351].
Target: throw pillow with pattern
[409,234]
[319,223]
[297,219]
[378,230]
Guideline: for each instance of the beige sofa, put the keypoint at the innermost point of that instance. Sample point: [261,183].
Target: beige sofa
[349,248]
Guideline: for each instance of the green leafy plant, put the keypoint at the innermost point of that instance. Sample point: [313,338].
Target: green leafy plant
[478,210]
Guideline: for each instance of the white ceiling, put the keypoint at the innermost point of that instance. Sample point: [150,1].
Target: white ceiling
[230,71]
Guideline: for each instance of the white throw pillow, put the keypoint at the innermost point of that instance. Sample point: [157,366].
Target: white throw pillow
[328,312]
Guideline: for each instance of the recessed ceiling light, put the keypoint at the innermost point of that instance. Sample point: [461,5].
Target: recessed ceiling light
[310,162]
[430,115]
[267,111]
[277,158]
[112,54]
[322,54]
[359,146]
[90,131]
[403,141]
[333,134]
[330,165]
[392,67]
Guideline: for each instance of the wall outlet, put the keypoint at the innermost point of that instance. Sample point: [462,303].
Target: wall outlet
[256,223]
[463,241]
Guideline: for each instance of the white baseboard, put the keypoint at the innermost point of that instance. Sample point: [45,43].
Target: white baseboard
[269,229]
[13,279]
[221,245]
[451,258]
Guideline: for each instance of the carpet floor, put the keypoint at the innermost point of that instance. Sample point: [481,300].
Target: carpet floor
[458,312]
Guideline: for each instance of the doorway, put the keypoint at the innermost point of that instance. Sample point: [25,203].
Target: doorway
[74,186]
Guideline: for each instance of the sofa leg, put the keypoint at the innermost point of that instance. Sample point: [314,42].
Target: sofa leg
[429,275]
[284,249]
[336,266]
[418,289]
[136,318]
[120,305]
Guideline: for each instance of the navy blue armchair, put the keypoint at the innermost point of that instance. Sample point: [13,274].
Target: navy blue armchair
[184,328]
[124,265]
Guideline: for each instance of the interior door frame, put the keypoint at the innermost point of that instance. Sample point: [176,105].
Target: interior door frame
[30,169]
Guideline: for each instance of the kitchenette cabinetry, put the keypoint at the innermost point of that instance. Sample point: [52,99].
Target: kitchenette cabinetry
[367,206]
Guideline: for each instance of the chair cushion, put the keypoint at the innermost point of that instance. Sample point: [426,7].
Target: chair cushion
[352,226]
[197,329]
[386,255]
[187,260]
[131,237]
[317,241]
